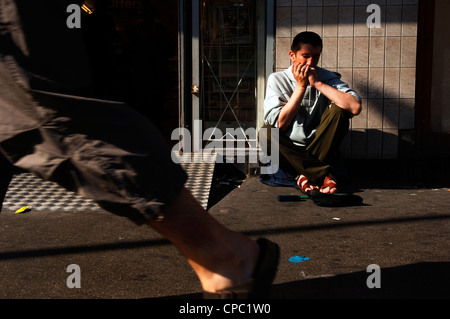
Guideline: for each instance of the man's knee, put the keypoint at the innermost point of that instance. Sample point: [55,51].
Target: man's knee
[336,117]
[338,111]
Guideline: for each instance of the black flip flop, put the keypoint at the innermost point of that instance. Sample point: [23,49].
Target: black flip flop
[258,287]
[335,199]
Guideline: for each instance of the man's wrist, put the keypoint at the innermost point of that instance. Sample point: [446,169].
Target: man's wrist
[301,87]
[317,85]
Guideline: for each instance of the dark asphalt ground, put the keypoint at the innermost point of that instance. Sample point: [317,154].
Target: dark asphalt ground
[403,226]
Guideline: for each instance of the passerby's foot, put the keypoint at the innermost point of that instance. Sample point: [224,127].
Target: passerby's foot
[258,286]
[234,266]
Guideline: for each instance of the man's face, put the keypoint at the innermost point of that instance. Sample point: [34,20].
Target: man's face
[307,54]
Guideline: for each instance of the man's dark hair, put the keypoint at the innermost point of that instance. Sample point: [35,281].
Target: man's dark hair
[306,37]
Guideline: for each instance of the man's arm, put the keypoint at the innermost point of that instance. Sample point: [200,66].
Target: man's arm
[344,100]
[288,112]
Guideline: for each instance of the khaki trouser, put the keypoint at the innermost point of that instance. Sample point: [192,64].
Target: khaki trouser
[314,160]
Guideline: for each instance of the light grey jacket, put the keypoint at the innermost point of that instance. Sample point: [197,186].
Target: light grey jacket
[281,85]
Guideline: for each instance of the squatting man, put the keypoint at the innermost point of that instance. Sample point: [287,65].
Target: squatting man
[312,108]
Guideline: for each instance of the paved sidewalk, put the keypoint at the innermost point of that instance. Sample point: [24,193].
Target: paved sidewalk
[402,227]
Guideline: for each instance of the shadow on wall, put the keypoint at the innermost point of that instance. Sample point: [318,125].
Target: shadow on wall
[383,130]
[378,144]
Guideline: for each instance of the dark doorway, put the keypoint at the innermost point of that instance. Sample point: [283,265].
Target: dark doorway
[134,54]
[432,128]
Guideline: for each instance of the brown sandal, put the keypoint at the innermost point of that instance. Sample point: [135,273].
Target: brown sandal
[330,183]
[305,186]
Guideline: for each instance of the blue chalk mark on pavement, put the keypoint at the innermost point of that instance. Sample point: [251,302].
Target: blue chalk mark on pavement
[298,259]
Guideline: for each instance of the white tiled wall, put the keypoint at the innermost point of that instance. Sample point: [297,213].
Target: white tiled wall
[380,63]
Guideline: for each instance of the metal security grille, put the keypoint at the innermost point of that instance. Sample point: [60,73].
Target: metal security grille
[228,66]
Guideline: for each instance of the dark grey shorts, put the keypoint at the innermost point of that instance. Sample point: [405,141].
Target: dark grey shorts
[100,149]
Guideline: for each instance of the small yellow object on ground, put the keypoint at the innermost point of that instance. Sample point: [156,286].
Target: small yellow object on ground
[23,209]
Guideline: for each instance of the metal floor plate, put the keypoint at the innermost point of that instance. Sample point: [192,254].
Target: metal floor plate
[26,189]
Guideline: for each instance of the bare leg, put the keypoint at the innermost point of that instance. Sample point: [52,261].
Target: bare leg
[220,257]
